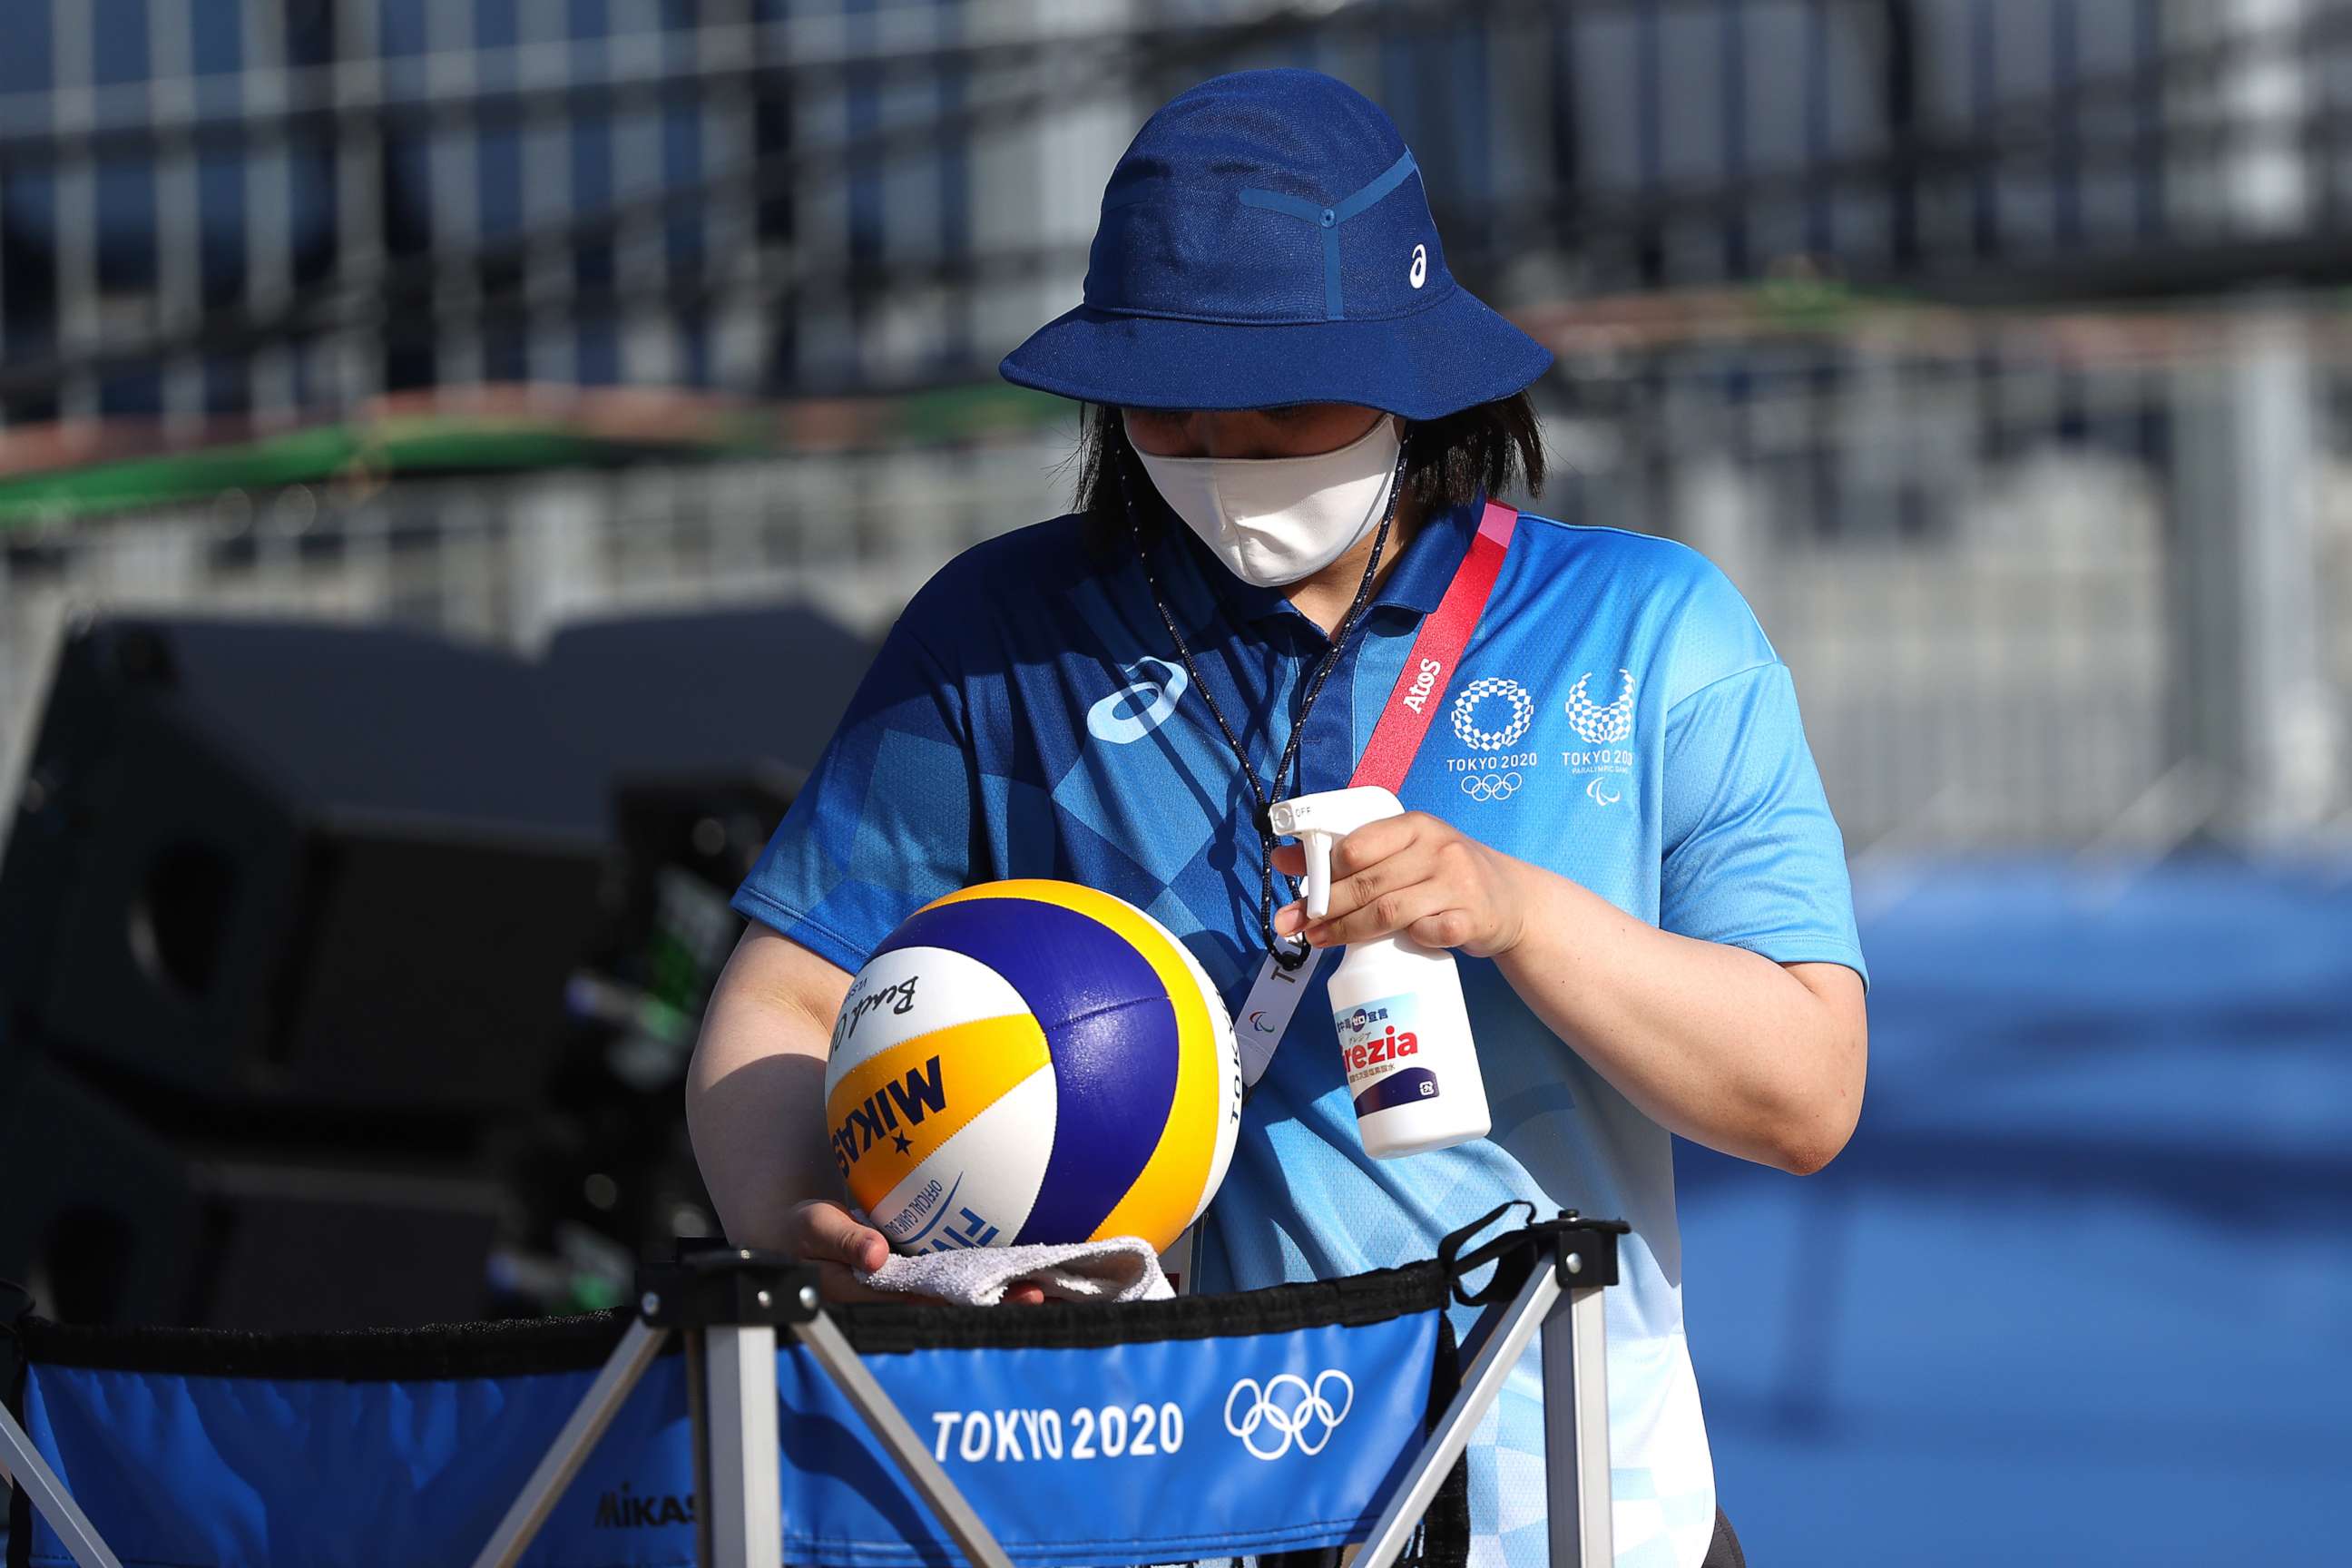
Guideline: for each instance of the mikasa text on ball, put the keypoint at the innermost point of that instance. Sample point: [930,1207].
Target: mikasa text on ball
[1030,1061]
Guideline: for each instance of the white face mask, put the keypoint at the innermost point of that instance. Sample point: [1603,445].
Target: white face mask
[1274,521]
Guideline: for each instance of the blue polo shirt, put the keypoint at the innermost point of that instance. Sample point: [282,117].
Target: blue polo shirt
[1618,717]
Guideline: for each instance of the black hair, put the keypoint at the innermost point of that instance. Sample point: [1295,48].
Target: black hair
[1449,462]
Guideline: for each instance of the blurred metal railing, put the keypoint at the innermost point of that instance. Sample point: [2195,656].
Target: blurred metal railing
[505,559]
[2015,615]
[243,208]
[2058,580]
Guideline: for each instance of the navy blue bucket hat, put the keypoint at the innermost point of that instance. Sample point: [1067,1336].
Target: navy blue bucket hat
[1265,240]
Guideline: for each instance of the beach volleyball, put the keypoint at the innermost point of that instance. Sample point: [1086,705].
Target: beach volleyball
[1030,1061]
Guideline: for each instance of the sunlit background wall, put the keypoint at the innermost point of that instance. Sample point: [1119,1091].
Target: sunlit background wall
[1998,349]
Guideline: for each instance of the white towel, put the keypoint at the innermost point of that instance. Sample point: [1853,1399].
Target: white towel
[1124,1268]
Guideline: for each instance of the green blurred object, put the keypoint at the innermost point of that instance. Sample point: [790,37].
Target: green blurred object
[55,494]
[592,1294]
[1805,302]
[324,453]
[409,443]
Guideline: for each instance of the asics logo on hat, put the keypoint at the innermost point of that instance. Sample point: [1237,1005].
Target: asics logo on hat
[1419,274]
[1140,707]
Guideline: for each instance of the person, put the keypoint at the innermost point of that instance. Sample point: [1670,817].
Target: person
[1293,419]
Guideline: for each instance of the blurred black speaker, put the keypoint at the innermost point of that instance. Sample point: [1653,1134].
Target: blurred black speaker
[109,1222]
[712,693]
[95,1214]
[290,1245]
[301,865]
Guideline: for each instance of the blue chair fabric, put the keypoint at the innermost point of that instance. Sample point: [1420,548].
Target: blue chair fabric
[1209,1426]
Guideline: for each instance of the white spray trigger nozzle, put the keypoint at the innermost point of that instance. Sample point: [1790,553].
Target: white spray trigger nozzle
[1319,821]
[1318,874]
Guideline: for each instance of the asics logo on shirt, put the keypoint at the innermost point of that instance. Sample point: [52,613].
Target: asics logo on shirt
[1141,706]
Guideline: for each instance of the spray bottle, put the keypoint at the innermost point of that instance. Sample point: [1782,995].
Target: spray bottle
[1404,1033]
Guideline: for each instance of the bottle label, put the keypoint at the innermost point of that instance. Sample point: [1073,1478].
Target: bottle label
[1380,1047]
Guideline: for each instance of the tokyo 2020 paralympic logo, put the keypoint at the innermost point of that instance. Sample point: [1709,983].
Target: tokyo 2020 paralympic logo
[1598,725]
[1287,1412]
[1467,714]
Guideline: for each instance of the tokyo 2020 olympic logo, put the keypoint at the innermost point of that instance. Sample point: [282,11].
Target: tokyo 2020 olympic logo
[1467,712]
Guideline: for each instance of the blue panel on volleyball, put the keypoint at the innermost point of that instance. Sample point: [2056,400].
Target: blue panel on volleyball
[1080,1435]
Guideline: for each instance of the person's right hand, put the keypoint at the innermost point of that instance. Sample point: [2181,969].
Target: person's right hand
[822,1232]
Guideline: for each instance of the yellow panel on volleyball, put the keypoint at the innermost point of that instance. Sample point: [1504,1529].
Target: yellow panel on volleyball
[897,1106]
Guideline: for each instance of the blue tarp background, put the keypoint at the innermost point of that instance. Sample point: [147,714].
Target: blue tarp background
[2080,1290]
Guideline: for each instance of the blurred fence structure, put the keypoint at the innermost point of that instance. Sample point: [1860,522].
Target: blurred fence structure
[2048,573]
[2010,624]
[2074,582]
[260,208]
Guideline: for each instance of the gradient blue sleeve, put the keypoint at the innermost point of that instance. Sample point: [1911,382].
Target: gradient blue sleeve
[1752,856]
[885,823]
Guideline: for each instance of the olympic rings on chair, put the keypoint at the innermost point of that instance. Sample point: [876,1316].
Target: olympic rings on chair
[1308,1420]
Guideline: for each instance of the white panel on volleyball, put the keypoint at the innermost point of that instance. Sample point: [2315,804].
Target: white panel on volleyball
[913,990]
[977,1188]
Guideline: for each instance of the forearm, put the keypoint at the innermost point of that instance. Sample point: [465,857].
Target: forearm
[1717,1044]
[755,1091]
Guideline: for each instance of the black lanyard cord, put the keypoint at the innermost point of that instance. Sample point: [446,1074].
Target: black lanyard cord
[1288,957]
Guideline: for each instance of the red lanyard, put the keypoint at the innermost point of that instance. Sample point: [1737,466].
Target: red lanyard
[1266,1012]
[1436,650]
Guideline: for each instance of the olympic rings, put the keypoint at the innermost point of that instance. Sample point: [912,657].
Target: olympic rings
[1491,786]
[1292,1421]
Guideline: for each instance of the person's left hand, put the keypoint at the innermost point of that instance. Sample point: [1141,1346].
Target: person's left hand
[1417,875]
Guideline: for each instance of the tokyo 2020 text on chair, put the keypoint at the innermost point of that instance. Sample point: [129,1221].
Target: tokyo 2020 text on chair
[738,1422]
